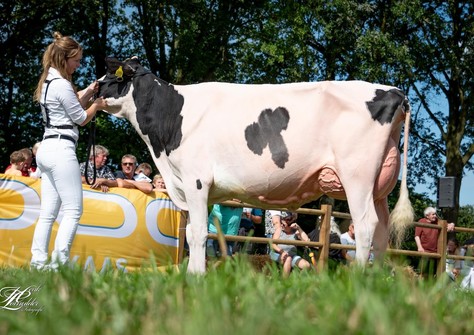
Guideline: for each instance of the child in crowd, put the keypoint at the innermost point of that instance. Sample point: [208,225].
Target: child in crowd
[17,160]
[159,183]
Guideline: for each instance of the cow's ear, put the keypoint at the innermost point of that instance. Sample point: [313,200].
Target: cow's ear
[112,64]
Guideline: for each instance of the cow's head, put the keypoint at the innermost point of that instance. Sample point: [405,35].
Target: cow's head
[116,84]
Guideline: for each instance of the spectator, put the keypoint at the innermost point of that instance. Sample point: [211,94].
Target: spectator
[26,169]
[272,223]
[26,163]
[467,271]
[144,168]
[251,224]
[17,160]
[336,256]
[467,250]
[285,254]
[453,266]
[104,176]
[427,241]
[127,177]
[143,172]
[229,219]
[128,164]
[159,183]
[348,238]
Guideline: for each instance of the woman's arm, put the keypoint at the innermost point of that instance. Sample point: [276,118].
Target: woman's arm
[86,94]
[97,105]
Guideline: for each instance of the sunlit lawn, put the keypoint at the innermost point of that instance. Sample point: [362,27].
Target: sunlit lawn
[234,298]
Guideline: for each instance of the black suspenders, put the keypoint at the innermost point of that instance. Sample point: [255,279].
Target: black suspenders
[46,121]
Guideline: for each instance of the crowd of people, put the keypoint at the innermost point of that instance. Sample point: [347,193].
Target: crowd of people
[131,174]
[94,172]
[282,225]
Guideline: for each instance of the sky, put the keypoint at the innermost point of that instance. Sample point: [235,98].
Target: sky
[466,197]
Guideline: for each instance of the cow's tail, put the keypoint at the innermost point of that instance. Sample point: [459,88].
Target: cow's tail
[402,215]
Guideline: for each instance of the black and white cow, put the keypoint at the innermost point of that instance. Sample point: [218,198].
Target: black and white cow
[268,145]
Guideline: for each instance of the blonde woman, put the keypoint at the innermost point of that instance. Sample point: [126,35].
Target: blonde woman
[63,109]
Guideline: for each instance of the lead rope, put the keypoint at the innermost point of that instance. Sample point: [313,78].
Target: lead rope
[91,149]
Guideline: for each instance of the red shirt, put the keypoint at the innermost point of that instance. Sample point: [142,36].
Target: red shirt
[428,237]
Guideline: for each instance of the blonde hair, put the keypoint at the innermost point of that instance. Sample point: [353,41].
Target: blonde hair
[156,177]
[56,56]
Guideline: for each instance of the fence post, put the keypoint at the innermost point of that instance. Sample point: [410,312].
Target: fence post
[442,241]
[324,232]
[183,220]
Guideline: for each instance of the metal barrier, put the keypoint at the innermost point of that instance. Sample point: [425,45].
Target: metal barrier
[324,245]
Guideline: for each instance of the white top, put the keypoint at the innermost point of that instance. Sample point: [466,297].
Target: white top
[63,106]
[348,240]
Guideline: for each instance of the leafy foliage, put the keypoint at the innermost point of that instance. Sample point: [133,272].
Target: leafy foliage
[424,47]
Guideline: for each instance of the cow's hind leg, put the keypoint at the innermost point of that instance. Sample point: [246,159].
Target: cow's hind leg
[381,235]
[365,219]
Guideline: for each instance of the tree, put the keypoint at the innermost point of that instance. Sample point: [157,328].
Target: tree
[22,30]
[424,47]
[440,37]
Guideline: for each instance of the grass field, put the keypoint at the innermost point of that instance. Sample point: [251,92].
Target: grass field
[232,298]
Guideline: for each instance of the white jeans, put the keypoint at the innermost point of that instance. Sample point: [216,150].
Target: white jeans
[60,185]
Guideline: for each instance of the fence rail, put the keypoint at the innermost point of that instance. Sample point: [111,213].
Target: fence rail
[324,245]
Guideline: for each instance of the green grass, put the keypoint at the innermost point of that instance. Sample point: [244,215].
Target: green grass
[233,298]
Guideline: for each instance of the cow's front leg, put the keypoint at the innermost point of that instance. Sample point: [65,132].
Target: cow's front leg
[196,233]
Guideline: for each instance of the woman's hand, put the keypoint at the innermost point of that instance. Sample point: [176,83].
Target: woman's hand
[100,103]
[93,88]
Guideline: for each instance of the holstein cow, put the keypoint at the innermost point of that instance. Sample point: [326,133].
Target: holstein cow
[268,145]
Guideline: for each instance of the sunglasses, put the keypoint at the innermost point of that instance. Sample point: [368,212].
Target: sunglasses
[130,164]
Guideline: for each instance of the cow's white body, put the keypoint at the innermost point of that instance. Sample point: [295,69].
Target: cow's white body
[329,130]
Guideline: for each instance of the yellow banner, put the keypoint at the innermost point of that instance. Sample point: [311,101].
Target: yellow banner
[123,229]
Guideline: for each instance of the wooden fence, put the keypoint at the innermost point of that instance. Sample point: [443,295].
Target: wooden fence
[324,245]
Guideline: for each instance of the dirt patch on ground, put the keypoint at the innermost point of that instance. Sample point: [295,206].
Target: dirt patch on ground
[259,262]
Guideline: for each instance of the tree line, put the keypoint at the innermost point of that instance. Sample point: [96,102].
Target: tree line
[423,47]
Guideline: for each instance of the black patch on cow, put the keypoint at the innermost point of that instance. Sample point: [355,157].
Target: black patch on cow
[267,131]
[384,105]
[198,184]
[159,116]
